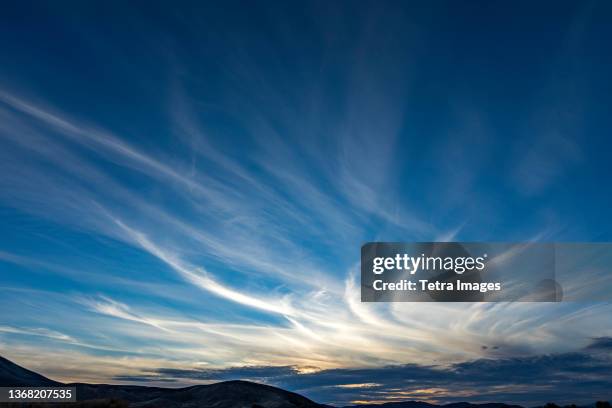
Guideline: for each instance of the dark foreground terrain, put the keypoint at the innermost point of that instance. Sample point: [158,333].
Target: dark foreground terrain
[227,394]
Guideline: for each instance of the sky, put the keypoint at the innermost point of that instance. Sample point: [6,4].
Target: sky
[185,188]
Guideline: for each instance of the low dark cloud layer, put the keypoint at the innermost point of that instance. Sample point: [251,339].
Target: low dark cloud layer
[577,377]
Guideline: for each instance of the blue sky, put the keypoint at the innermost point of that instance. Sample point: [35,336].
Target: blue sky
[186,187]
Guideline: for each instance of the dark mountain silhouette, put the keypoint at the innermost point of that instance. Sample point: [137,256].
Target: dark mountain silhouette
[421,404]
[227,394]
[13,375]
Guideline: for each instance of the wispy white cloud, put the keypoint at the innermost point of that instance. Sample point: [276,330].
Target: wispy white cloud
[266,244]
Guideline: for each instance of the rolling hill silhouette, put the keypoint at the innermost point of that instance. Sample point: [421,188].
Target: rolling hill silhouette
[421,404]
[12,375]
[227,394]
